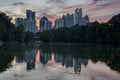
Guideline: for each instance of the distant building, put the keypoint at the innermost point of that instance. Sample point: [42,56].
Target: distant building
[79,19]
[30,25]
[78,15]
[69,20]
[45,24]
[66,21]
[59,23]
[18,21]
[30,15]
[87,18]
[29,22]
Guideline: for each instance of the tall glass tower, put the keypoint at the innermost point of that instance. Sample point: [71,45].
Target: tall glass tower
[30,15]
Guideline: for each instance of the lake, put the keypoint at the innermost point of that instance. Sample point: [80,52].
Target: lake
[59,62]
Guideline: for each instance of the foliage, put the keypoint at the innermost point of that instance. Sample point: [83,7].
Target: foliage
[29,36]
[8,27]
[46,36]
[20,33]
[9,33]
[104,33]
[2,31]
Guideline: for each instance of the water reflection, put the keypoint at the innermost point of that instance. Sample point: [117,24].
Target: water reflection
[71,62]
[73,57]
[32,55]
[45,57]
[29,58]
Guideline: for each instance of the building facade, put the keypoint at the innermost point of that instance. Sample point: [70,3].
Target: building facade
[79,19]
[69,20]
[18,21]
[30,15]
[45,24]
[29,22]
[59,23]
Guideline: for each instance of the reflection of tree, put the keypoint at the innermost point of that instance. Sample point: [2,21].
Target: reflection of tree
[108,54]
[6,56]
[21,51]
[63,54]
[5,61]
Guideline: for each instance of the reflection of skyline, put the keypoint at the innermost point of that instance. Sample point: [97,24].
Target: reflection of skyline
[31,56]
[72,62]
[45,57]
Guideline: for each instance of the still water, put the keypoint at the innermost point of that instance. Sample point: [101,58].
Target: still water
[59,62]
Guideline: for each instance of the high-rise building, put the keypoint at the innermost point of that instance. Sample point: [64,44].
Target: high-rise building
[79,19]
[86,18]
[78,15]
[30,25]
[18,21]
[59,23]
[45,24]
[30,15]
[69,20]
[66,21]
[72,19]
[29,22]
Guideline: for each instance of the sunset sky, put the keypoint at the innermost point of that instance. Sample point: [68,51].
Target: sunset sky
[100,10]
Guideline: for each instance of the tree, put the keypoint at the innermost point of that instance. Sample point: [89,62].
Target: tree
[46,36]
[29,36]
[9,27]
[2,31]
[19,33]
[115,22]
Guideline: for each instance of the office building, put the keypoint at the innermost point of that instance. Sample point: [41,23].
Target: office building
[59,23]
[45,24]
[29,22]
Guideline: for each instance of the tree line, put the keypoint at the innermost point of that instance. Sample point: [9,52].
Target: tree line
[8,31]
[95,32]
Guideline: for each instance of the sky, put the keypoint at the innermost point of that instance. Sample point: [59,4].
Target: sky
[100,10]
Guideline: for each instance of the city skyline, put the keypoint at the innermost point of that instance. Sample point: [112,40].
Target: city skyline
[100,10]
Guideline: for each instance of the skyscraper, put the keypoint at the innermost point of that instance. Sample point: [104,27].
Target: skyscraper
[30,15]
[69,20]
[86,18]
[29,22]
[59,23]
[78,15]
[45,24]
[79,19]
[18,21]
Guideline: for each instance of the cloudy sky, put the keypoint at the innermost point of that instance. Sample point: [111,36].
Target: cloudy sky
[100,10]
